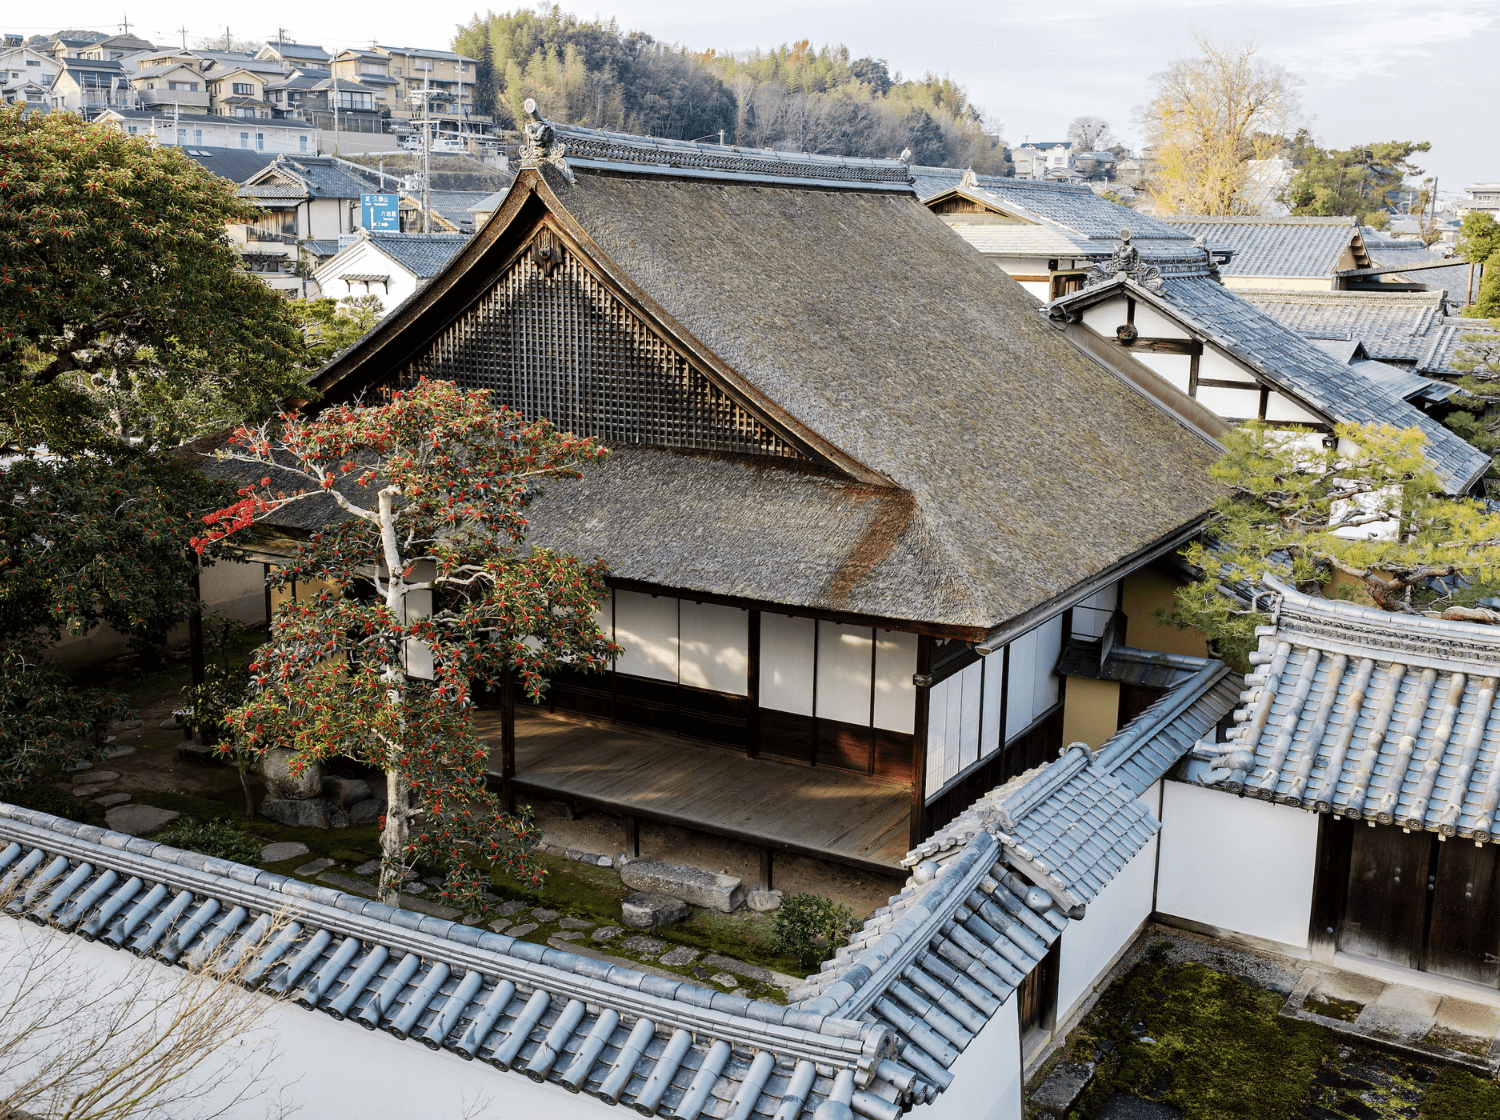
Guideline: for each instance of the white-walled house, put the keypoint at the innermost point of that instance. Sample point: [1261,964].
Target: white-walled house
[387,264]
[309,204]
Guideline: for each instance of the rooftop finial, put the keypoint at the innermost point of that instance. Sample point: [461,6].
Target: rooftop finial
[905,156]
[970,179]
[1125,261]
[539,142]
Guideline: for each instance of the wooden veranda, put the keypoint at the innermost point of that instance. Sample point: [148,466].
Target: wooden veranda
[778,806]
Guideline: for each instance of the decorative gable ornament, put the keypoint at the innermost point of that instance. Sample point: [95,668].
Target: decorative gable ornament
[1125,261]
[540,145]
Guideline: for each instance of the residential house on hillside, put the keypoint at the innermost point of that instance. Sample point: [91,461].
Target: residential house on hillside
[116,47]
[1481,198]
[213,131]
[329,104]
[292,56]
[1044,159]
[237,91]
[389,265]
[373,70]
[451,76]
[26,75]
[91,86]
[1305,254]
[797,571]
[1174,316]
[176,89]
[310,203]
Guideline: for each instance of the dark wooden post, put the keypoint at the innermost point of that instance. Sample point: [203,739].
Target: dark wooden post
[767,868]
[195,644]
[632,836]
[508,739]
[923,681]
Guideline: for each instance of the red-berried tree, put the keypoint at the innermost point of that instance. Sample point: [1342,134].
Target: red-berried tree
[425,586]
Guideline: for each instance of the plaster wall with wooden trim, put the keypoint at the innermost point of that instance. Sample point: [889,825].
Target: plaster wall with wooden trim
[1206,879]
[986,1076]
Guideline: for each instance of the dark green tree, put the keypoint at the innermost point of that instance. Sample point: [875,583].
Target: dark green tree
[1360,181]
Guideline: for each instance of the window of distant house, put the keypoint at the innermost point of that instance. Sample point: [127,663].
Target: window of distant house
[352,100]
[244,112]
[32,62]
[181,137]
[244,89]
[260,141]
[197,136]
[372,67]
[150,85]
[189,87]
[244,139]
[302,143]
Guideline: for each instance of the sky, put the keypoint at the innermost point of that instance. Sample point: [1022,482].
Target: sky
[1371,69]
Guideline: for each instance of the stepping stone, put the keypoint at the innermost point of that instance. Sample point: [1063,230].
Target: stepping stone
[124,724]
[285,849]
[96,778]
[423,906]
[500,926]
[371,868]
[112,799]
[680,957]
[78,768]
[521,930]
[724,980]
[416,888]
[510,909]
[170,724]
[651,910]
[1064,1085]
[605,933]
[344,883]
[569,935]
[138,820]
[763,902]
[543,915]
[470,920]
[1124,1106]
[645,946]
[314,867]
[114,752]
[575,923]
[739,968]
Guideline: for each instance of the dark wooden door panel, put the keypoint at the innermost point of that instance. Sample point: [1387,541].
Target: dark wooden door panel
[1463,936]
[1386,903]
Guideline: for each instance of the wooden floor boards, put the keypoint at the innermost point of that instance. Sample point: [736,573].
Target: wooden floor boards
[813,810]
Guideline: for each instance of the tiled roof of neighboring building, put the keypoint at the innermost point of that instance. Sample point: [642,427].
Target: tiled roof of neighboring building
[1291,362]
[993,890]
[457,206]
[299,50]
[1371,715]
[248,124]
[422,254]
[876,1030]
[235,164]
[1290,247]
[1446,340]
[1387,252]
[1392,325]
[314,176]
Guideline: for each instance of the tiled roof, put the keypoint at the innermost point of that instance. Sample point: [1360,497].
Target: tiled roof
[1301,247]
[587,1025]
[235,164]
[313,176]
[1385,717]
[993,890]
[424,255]
[1293,363]
[1392,325]
[1070,206]
[1445,341]
[1388,252]
[457,206]
[877,1029]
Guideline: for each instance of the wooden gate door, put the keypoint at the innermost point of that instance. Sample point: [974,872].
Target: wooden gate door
[1463,934]
[1385,905]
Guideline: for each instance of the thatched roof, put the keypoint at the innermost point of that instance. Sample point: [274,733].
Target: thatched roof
[966,463]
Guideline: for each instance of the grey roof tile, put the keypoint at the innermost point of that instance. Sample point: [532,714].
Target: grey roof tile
[1290,247]
[1298,741]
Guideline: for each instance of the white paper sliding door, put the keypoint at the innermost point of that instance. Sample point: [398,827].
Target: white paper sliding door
[714,647]
[646,625]
[846,673]
[787,653]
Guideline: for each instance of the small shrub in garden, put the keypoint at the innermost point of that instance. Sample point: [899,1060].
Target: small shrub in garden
[811,928]
[45,797]
[213,838]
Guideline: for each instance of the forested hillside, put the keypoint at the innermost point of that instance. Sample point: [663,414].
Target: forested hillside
[794,97]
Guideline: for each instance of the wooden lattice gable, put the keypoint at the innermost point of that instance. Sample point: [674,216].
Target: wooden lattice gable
[960,200]
[532,311]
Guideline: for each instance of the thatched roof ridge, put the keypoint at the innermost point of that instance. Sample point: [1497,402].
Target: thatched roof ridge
[855,319]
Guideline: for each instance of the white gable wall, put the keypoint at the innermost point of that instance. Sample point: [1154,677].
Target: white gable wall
[986,1076]
[1237,863]
[364,259]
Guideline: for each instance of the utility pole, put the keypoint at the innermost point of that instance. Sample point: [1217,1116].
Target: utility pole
[183,30]
[226,36]
[125,22]
[427,150]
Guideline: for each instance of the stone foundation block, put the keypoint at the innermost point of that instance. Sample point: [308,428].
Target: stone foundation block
[712,891]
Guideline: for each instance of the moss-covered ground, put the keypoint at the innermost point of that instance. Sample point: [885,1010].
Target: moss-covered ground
[1213,1047]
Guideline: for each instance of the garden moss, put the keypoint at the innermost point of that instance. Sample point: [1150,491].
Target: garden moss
[1458,1095]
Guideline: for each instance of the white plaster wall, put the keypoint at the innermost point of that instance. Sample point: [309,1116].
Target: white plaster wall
[845,672]
[714,647]
[990,731]
[1104,317]
[1175,369]
[1218,366]
[1231,404]
[786,663]
[1281,409]
[646,625]
[986,1076]
[1092,615]
[1153,324]
[326,1068]
[1041,289]
[1237,863]
[1090,946]
[238,589]
[895,694]
[953,724]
